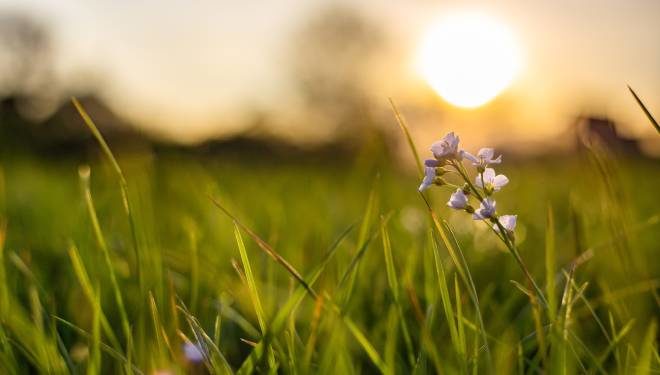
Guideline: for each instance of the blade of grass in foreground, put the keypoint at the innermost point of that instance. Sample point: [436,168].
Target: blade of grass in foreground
[646,355]
[646,111]
[357,334]
[290,305]
[252,289]
[105,347]
[550,264]
[349,275]
[84,173]
[392,280]
[88,291]
[123,185]
[411,143]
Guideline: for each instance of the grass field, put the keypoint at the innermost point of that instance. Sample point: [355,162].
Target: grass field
[330,267]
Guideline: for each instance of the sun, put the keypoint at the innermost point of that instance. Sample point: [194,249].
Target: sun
[468,58]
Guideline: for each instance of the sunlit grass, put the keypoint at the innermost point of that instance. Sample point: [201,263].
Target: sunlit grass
[322,267]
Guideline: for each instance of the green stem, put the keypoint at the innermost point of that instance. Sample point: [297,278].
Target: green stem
[514,251]
[461,170]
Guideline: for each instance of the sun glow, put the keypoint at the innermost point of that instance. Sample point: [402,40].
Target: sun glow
[468,58]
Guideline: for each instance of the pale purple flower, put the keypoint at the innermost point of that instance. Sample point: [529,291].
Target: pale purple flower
[445,148]
[486,210]
[490,180]
[484,157]
[429,178]
[508,222]
[193,352]
[431,163]
[458,200]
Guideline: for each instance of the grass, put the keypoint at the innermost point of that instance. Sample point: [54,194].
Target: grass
[317,266]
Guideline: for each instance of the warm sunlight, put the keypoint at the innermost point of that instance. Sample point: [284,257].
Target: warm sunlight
[468,58]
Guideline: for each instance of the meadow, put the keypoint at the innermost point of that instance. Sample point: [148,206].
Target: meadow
[163,262]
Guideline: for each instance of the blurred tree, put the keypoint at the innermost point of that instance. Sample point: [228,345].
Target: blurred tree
[332,59]
[26,51]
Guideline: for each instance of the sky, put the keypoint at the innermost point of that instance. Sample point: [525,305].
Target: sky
[192,70]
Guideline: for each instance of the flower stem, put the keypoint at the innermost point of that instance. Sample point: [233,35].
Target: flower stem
[514,251]
[461,170]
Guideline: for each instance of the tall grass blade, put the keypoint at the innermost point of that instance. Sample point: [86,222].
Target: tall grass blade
[646,355]
[90,294]
[550,264]
[406,133]
[392,280]
[84,173]
[252,289]
[646,111]
[123,185]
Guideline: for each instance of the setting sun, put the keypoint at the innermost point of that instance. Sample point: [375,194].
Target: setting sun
[468,58]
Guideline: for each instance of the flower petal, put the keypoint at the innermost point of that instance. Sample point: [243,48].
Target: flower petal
[470,157]
[458,200]
[431,163]
[486,153]
[489,175]
[499,181]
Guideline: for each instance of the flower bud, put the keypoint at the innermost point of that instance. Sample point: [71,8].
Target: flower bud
[440,171]
[469,209]
[481,168]
[439,181]
[466,188]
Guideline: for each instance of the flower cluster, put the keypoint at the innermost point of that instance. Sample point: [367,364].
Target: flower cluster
[448,158]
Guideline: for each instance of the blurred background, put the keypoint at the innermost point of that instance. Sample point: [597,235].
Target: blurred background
[307,74]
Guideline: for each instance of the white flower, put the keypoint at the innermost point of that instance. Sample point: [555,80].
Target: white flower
[458,200]
[484,157]
[445,148]
[429,178]
[486,209]
[508,223]
[490,180]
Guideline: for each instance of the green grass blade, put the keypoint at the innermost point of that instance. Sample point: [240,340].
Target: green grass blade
[406,133]
[392,280]
[90,294]
[348,281]
[123,185]
[84,173]
[550,264]
[643,366]
[646,111]
[252,289]
[291,304]
[447,305]
[94,361]
[105,347]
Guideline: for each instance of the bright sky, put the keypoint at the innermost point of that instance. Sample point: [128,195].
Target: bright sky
[189,70]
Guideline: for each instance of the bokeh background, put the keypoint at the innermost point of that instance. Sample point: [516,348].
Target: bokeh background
[314,72]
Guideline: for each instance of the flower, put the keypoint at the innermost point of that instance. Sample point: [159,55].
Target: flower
[483,158]
[486,210]
[429,178]
[491,182]
[193,352]
[446,148]
[458,200]
[508,223]
[431,163]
